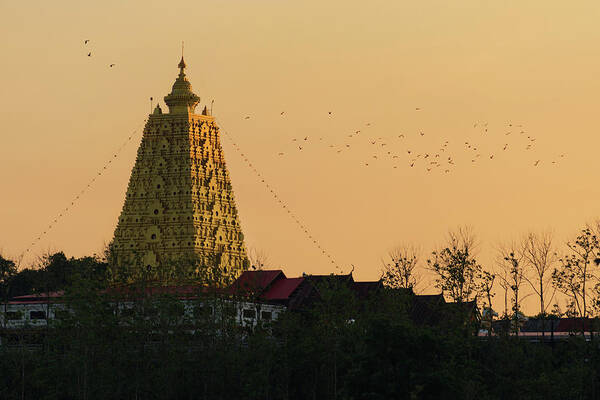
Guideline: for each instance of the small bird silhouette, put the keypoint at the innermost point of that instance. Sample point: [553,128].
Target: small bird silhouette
[89,54]
[329,112]
[491,157]
[86,41]
[111,65]
[283,112]
[422,134]
[247,117]
[417,109]
[535,164]
[280,154]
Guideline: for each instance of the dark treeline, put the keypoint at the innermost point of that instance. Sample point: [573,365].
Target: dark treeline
[52,272]
[340,348]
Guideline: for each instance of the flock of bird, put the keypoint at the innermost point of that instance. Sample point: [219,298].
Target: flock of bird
[303,227]
[89,51]
[394,148]
[443,157]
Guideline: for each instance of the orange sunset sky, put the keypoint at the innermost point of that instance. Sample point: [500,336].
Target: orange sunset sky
[448,70]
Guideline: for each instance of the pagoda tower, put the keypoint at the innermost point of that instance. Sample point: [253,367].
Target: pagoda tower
[179,218]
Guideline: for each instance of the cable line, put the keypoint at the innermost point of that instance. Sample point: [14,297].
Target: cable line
[78,196]
[294,217]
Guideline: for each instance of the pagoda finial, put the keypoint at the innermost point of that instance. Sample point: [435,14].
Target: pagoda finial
[181,99]
[181,63]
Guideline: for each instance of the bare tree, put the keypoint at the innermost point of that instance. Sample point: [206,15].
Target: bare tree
[540,255]
[398,267]
[511,262]
[574,274]
[486,284]
[455,266]
[259,258]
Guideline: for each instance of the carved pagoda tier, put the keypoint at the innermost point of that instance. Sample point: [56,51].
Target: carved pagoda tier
[179,217]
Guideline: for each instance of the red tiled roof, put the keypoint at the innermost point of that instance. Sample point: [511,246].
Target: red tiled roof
[38,296]
[573,324]
[282,289]
[255,281]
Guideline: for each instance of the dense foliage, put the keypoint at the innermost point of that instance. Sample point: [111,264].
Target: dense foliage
[340,348]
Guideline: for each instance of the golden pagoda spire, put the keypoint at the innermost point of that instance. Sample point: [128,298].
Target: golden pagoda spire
[182,99]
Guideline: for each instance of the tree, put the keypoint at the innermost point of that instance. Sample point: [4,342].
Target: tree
[574,273]
[258,258]
[511,262]
[540,256]
[398,269]
[486,284]
[8,269]
[456,268]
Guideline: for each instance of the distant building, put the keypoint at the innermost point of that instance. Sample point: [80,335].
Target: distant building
[179,210]
[254,297]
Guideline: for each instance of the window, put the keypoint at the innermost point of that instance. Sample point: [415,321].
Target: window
[13,315]
[37,315]
[249,314]
[266,315]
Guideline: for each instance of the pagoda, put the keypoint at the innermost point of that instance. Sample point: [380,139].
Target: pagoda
[179,218]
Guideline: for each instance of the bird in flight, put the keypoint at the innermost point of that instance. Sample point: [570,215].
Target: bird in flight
[329,112]
[111,65]
[418,109]
[280,154]
[283,112]
[86,41]
[89,54]
[535,164]
[247,117]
